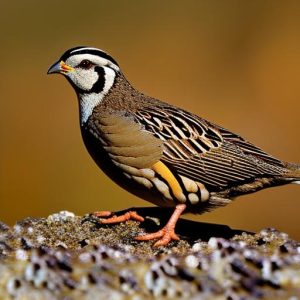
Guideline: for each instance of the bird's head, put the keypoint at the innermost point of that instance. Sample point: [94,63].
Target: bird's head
[89,70]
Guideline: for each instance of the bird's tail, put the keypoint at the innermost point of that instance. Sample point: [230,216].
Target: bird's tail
[293,173]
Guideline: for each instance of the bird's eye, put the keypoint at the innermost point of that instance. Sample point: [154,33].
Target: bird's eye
[85,64]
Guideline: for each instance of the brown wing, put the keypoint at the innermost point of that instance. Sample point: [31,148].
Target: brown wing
[204,152]
[125,142]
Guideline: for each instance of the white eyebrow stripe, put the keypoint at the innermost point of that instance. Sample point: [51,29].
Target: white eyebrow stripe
[87,48]
[93,57]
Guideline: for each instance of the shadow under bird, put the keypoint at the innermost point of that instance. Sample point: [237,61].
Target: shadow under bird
[160,152]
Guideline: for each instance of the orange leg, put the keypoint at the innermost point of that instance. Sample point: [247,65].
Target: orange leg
[130,215]
[167,233]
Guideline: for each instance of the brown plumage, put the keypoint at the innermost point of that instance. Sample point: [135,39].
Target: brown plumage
[141,132]
[165,154]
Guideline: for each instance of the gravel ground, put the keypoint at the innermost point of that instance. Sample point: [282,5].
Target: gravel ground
[66,257]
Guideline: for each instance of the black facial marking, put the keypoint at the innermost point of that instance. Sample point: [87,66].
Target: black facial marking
[86,50]
[99,84]
[96,88]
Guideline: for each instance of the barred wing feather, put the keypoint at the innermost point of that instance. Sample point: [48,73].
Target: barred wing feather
[206,152]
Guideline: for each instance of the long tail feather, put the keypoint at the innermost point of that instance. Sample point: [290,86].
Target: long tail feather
[293,172]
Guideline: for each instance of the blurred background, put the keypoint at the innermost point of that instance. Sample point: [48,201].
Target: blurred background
[236,63]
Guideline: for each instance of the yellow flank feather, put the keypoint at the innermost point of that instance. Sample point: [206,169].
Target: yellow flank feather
[161,169]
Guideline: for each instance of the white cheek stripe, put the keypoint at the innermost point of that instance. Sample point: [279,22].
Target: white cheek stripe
[89,101]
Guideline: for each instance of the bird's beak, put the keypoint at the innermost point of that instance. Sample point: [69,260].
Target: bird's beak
[60,67]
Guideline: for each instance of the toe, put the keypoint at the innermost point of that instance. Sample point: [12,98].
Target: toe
[166,238]
[130,215]
[150,236]
[135,216]
[164,235]
[116,219]
[174,236]
[102,214]
[163,241]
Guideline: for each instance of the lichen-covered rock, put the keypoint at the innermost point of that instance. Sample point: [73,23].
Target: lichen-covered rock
[70,257]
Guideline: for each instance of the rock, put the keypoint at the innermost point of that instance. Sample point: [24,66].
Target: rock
[69,257]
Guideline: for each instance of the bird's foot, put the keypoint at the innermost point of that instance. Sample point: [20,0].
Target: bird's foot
[165,235]
[130,215]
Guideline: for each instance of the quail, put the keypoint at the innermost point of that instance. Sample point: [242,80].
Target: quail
[159,152]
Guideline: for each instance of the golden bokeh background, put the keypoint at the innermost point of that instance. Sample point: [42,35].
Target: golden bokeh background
[236,63]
